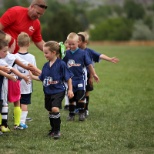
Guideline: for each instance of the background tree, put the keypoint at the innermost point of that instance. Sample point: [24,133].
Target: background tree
[112,29]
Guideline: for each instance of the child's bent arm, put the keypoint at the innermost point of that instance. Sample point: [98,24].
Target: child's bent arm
[70,92]
[9,76]
[5,69]
[93,73]
[16,72]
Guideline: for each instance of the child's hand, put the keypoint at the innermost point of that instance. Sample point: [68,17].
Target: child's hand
[114,60]
[5,69]
[27,78]
[70,94]
[12,77]
[96,78]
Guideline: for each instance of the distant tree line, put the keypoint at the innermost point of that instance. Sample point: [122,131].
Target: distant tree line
[132,21]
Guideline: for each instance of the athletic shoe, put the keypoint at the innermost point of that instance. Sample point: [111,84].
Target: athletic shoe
[24,126]
[17,127]
[66,107]
[1,133]
[76,111]
[81,116]
[70,118]
[86,113]
[28,119]
[5,129]
[51,133]
[56,135]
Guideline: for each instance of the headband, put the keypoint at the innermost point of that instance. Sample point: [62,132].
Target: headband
[62,50]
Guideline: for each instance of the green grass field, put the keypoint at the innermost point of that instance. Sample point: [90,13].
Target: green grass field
[121,119]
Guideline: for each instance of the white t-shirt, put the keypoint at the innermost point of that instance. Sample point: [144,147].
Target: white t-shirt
[24,87]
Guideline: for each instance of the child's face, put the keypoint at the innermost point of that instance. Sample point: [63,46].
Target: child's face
[81,44]
[48,54]
[3,52]
[72,44]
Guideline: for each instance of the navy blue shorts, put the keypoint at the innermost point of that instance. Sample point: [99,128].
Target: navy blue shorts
[25,99]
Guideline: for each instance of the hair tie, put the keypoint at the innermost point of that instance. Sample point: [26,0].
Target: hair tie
[62,50]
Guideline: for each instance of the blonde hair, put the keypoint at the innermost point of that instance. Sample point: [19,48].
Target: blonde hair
[53,46]
[85,35]
[73,36]
[23,39]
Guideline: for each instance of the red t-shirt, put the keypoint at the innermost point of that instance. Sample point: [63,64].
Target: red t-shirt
[16,20]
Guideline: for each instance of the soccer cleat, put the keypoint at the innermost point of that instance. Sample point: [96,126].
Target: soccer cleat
[81,116]
[1,133]
[51,133]
[24,126]
[70,118]
[56,135]
[17,127]
[5,129]
[86,113]
[77,111]
[28,119]
[66,107]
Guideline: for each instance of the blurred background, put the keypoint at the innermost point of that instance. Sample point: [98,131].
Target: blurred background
[104,20]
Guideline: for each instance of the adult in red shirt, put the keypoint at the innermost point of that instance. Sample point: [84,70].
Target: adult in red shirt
[20,19]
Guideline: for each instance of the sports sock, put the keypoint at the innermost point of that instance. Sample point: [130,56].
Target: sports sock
[17,114]
[4,115]
[72,110]
[51,121]
[56,121]
[87,103]
[81,107]
[23,116]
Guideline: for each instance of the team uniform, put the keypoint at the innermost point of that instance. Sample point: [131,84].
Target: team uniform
[77,61]
[94,56]
[4,96]
[16,20]
[53,79]
[25,89]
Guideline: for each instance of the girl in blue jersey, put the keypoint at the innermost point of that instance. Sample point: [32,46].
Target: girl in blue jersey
[76,59]
[95,58]
[54,74]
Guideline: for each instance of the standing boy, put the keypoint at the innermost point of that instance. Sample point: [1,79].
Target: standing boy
[76,59]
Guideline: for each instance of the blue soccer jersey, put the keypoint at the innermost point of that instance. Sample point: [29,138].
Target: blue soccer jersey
[76,62]
[53,77]
[94,56]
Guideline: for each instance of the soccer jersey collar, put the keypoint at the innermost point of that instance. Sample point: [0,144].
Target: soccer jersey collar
[73,51]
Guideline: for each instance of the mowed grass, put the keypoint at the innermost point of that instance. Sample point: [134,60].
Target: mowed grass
[121,119]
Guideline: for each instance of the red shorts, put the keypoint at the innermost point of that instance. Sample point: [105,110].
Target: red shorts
[14,94]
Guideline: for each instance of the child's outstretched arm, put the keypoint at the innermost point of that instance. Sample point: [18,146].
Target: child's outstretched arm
[34,77]
[16,72]
[110,59]
[9,76]
[5,69]
[70,91]
[93,73]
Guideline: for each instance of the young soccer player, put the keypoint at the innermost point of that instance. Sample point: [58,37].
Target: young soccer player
[53,76]
[14,88]
[23,41]
[4,90]
[95,57]
[76,59]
